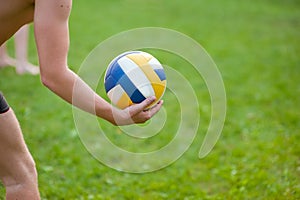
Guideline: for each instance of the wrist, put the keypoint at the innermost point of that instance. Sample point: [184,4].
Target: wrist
[105,111]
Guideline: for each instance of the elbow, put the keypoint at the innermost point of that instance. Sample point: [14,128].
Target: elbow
[51,78]
[45,81]
[48,81]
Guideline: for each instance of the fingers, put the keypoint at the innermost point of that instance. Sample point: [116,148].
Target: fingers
[156,108]
[142,106]
[137,113]
[145,115]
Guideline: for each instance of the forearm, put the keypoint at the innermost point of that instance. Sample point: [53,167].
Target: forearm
[71,88]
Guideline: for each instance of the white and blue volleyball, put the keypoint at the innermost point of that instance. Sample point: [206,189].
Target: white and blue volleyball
[132,77]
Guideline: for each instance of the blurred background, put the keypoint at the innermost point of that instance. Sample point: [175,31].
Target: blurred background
[256,46]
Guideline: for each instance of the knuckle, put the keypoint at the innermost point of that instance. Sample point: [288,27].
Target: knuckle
[131,115]
[147,116]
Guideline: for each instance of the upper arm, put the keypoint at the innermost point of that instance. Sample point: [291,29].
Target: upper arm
[52,34]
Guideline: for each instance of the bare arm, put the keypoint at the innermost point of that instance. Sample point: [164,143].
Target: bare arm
[52,38]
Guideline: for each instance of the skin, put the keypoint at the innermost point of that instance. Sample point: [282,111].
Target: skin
[50,18]
[17,168]
[20,62]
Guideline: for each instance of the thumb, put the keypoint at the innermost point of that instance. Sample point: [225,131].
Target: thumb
[142,106]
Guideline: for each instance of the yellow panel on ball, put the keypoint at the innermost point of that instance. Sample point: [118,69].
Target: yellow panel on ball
[124,101]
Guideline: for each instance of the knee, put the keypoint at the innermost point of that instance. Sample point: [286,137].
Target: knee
[29,173]
[24,184]
[30,170]
[23,174]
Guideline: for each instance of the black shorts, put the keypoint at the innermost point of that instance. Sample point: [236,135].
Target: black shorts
[3,104]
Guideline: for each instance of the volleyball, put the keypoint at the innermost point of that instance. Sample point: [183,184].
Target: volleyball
[132,77]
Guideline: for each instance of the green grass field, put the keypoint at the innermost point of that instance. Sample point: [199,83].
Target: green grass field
[256,46]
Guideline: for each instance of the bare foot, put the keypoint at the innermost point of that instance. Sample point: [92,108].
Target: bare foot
[6,61]
[27,68]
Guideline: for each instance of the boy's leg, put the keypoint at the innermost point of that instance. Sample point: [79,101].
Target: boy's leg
[21,46]
[5,59]
[17,168]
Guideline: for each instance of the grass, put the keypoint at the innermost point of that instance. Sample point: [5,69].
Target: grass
[255,44]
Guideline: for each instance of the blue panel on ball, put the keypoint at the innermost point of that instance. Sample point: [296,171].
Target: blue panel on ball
[117,76]
[108,72]
[137,97]
[110,82]
[161,74]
